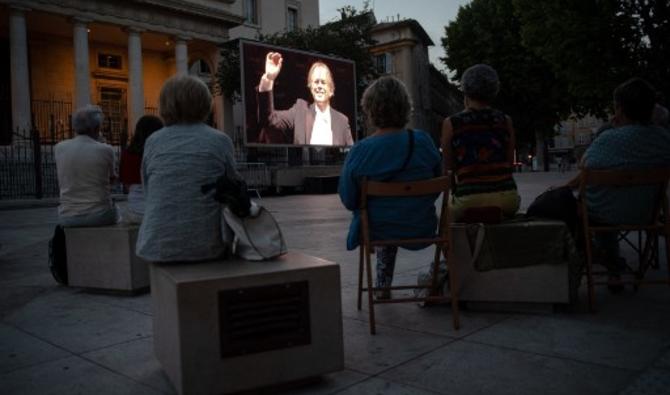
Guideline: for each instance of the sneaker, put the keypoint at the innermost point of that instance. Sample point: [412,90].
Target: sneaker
[614,284]
[383,294]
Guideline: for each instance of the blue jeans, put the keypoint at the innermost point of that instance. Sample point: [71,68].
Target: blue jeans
[385,265]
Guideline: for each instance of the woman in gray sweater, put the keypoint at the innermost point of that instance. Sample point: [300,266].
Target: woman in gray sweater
[180,222]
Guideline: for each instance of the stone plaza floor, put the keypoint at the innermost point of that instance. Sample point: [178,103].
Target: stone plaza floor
[58,340]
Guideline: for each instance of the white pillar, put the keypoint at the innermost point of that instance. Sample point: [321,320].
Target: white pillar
[135,80]
[82,78]
[181,55]
[19,69]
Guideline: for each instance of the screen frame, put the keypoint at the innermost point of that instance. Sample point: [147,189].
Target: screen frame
[353,123]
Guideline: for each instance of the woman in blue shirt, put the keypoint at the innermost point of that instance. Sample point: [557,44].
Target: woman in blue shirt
[387,155]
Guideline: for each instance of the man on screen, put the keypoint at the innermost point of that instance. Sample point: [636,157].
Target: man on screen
[314,124]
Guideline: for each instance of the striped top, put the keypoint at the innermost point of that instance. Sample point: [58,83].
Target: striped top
[479,144]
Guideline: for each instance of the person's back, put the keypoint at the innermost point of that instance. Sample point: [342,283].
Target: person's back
[180,222]
[85,167]
[626,147]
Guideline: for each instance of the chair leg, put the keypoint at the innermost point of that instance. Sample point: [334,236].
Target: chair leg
[589,271]
[453,292]
[667,250]
[360,274]
[371,307]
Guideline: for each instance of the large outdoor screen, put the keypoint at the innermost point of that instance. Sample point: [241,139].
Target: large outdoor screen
[295,98]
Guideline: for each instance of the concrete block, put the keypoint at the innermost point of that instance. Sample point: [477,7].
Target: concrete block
[104,258]
[541,283]
[235,325]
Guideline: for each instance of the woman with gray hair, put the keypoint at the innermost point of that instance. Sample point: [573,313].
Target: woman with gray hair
[390,153]
[85,167]
[479,143]
[180,222]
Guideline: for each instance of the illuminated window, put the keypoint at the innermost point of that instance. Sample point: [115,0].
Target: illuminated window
[251,11]
[109,61]
[292,19]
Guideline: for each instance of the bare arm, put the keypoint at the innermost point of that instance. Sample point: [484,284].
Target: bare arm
[447,150]
[512,141]
[273,63]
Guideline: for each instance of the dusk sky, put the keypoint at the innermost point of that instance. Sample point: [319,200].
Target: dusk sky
[433,15]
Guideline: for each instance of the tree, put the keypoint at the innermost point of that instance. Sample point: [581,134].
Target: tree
[594,45]
[488,31]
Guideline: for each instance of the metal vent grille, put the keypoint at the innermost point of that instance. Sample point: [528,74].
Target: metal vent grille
[264,318]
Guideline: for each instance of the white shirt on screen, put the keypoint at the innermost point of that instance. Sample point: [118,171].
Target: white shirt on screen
[322,133]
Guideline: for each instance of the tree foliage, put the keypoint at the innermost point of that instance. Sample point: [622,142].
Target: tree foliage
[350,37]
[594,45]
[488,31]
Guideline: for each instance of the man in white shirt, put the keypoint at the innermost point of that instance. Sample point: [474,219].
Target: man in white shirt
[85,168]
[314,124]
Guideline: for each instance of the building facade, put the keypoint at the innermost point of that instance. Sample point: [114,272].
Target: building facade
[402,51]
[67,53]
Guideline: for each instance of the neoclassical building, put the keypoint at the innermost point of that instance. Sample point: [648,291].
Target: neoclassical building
[67,53]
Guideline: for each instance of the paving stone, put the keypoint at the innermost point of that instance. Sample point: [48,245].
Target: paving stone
[380,386]
[570,338]
[69,376]
[651,382]
[18,350]
[328,384]
[78,324]
[389,347]
[468,368]
[136,360]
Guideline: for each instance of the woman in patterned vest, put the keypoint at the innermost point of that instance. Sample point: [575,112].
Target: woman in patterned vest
[479,142]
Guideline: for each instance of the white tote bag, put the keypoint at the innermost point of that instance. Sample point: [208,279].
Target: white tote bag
[257,237]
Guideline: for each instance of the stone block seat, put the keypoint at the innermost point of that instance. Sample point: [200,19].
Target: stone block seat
[103,258]
[520,263]
[235,325]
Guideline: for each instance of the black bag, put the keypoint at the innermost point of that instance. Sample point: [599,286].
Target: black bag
[232,192]
[58,255]
[557,203]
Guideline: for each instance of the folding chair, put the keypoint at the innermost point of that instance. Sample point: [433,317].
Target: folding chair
[660,223]
[441,240]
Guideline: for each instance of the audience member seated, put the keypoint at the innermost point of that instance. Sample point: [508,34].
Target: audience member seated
[633,143]
[131,164]
[85,169]
[388,155]
[479,145]
[180,222]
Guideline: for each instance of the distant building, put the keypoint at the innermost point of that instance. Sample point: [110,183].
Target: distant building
[117,54]
[402,51]
[573,137]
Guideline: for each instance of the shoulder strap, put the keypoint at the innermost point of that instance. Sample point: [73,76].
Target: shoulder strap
[410,149]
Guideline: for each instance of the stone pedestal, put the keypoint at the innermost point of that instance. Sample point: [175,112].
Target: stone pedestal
[551,280]
[230,326]
[104,258]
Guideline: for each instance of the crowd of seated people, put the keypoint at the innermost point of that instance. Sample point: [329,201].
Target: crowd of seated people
[171,157]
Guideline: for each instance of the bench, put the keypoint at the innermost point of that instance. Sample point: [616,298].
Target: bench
[103,258]
[538,280]
[231,326]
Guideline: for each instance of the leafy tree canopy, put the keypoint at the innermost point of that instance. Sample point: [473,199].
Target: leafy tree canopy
[594,45]
[488,31]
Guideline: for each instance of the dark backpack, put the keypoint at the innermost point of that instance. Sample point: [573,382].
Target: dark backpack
[58,255]
[557,203]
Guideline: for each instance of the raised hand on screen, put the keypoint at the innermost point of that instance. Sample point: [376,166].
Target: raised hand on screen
[273,62]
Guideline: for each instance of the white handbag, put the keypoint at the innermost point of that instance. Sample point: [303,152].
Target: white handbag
[257,237]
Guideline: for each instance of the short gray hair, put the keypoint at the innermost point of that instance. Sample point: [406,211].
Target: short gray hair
[386,103]
[480,82]
[87,119]
[184,99]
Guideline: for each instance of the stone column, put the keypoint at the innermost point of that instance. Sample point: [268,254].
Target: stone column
[135,80]
[82,77]
[19,69]
[181,55]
